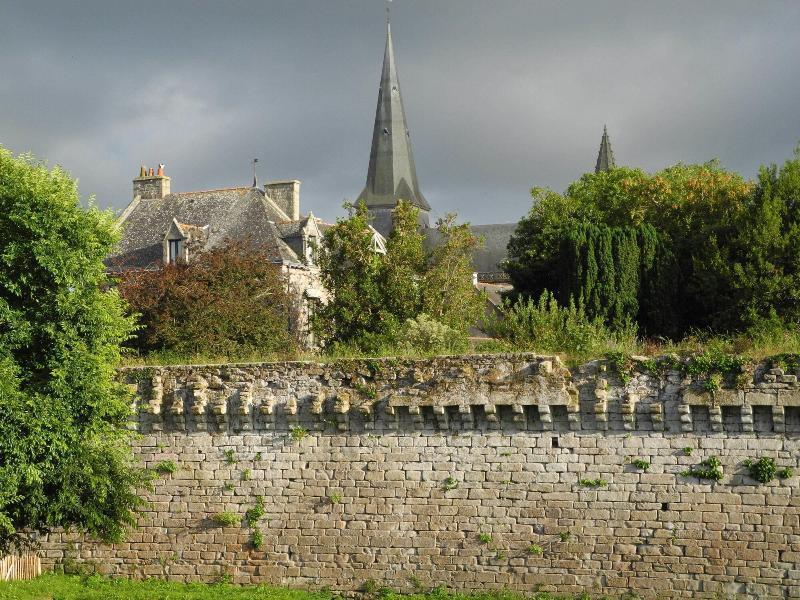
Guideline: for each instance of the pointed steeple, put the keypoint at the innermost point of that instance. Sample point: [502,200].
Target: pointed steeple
[605,158]
[392,175]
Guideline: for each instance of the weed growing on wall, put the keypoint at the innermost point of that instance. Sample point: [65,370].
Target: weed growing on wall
[710,469]
[763,469]
[641,464]
[593,483]
[298,433]
[166,467]
[230,456]
[225,519]
[253,515]
[449,484]
[484,538]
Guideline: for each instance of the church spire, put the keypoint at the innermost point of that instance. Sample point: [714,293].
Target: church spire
[605,158]
[392,175]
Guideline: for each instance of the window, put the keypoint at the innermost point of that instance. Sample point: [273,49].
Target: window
[174,251]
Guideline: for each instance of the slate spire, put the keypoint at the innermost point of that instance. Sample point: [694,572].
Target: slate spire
[605,158]
[392,175]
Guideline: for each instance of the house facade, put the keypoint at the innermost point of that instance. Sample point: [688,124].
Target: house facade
[161,227]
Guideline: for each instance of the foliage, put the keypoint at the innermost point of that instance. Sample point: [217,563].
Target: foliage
[593,483]
[687,450]
[335,498]
[710,469]
[641,464]
[230,299]
[545,326]
[484,538]
[257,539]
[427,335]
[254,514]
[230,456]
[449,483]
[763,469]
[785,472]
[64,445]
[715,252]
[225,518]
[535,549]
[166,467]
[298,433]
[376,299]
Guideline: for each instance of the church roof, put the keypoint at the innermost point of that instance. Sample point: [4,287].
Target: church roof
[242,214]
[605,157]
[392,175]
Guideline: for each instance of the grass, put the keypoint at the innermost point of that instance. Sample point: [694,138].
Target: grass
[66,587]
[754,345]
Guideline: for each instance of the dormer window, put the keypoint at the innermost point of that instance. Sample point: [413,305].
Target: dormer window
[174,249]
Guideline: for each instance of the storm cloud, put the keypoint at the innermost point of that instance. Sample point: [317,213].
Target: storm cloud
[500,95]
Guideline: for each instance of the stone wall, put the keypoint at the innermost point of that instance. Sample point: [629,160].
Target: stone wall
[468,472]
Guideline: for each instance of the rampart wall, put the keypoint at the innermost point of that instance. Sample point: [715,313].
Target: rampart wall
[475,472]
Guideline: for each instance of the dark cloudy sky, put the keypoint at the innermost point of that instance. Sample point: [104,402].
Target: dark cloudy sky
[500,95]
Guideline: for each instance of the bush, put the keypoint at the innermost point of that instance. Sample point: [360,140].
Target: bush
[231,300]
[544,326]
[65,458]
[424,334]
[763,469]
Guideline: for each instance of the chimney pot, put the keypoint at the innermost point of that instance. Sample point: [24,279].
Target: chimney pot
[161,170]
[151,172]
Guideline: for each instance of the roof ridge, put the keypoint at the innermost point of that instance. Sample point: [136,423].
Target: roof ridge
[227,189]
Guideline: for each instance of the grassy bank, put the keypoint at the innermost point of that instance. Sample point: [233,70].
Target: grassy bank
[64,587]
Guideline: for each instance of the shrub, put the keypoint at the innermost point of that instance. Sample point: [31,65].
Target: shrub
[65,458]
[424,334]
[641,464]
[544,326]
[231,300]
[785,472]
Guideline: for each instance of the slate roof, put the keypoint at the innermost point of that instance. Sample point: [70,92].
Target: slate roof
[239,213]
[392,175]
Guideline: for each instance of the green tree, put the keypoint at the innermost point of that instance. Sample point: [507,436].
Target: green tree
[659,248]
[228,301]
[65,457]
[376,298]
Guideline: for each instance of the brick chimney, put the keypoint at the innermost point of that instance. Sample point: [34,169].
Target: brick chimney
[149,184]
[286,194]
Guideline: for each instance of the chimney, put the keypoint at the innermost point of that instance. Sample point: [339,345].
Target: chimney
[286,194]
[149,185]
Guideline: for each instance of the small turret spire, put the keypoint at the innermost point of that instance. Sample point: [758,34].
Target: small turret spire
[605,157]
[255,176]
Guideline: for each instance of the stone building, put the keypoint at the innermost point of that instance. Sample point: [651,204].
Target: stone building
[160,227]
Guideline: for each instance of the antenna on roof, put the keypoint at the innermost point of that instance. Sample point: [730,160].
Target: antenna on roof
[255,177]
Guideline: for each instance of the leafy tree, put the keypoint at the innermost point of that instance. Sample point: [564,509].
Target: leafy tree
[375,298]
[683,222]
[352,271]
[448,294]
[64,446]
[227,301]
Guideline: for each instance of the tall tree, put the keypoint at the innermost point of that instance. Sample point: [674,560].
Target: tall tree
[65,458]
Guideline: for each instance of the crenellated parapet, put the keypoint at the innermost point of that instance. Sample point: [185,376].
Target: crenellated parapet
[523,392]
